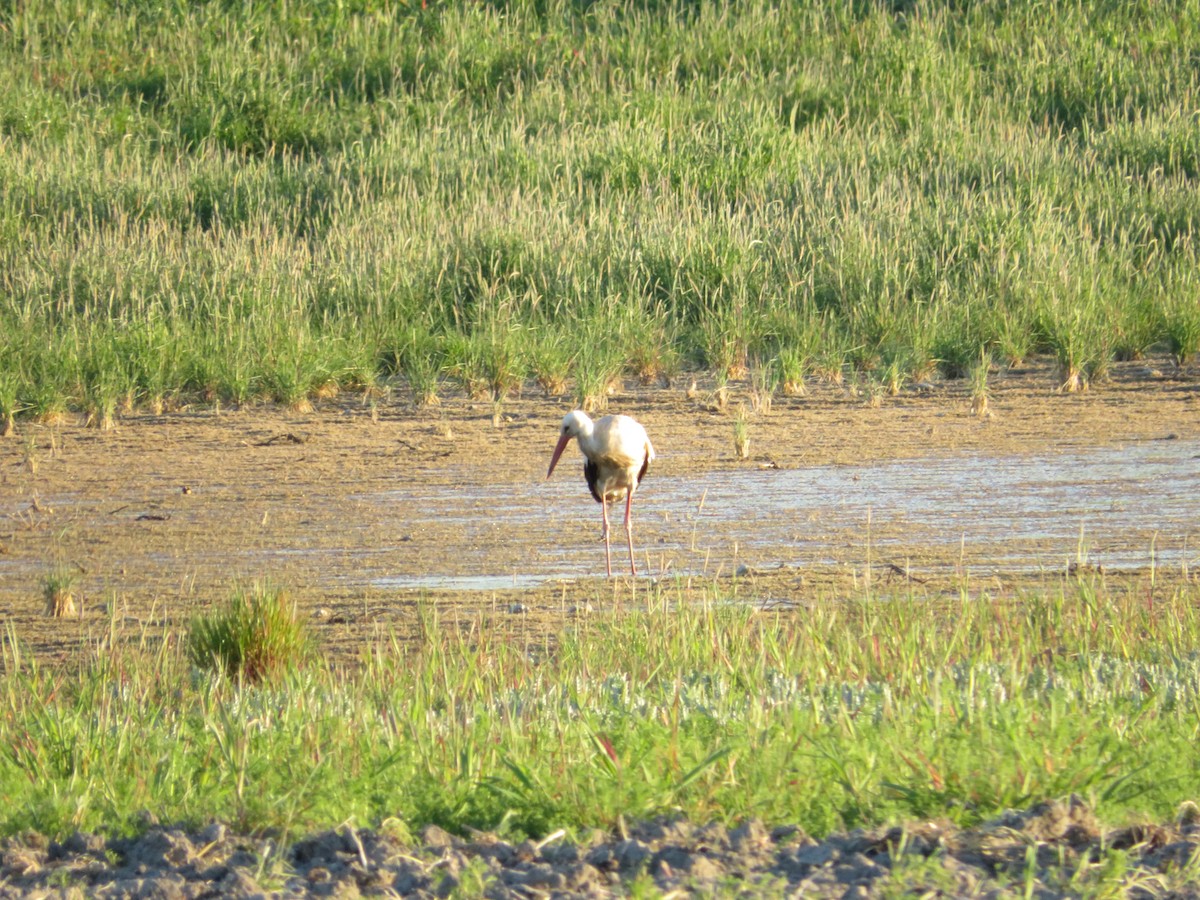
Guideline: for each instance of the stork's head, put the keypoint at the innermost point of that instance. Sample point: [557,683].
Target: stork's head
[576,423]
[573,425]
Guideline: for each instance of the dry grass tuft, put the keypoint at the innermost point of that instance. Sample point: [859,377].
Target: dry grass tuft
[58,590]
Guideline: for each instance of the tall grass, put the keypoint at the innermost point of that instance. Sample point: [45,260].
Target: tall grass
[242,203]
[847,712]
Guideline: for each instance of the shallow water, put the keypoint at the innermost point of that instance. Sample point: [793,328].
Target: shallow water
[1134,505]
[1129,506]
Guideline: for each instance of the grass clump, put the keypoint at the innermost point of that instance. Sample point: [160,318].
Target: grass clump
[765,378]
[256,636]
[981,392]
[1183,329]
[8,404]
[550,362]
[596,368]
[58,592]
[741,433]
[419,356]
[1074,333]
[793,366]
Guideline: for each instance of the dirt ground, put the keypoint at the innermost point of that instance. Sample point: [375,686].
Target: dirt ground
[354,505]
[1073,854]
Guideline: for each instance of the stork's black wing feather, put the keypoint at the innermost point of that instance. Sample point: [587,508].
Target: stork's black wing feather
[643,470]
[591,472]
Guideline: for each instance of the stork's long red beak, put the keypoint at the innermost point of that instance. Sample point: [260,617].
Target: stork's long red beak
[558,451]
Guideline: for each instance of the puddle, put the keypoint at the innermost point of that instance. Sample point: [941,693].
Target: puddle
[1122,507]
[464,582]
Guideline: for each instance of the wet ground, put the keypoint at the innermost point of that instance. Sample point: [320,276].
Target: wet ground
[363,509]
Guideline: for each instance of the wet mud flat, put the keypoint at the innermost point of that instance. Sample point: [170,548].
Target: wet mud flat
[363,512]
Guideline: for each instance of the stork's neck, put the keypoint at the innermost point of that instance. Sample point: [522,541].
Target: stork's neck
[587,435]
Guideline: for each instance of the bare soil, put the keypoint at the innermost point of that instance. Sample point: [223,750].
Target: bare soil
[164,515]
[1055,849]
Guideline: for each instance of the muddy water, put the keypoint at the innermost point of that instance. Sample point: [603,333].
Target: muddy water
[1128,506]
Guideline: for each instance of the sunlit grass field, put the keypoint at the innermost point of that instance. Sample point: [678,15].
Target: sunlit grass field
[848,711]
[224,202]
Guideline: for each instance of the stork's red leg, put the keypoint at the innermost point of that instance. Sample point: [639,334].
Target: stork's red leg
[629,529]
[607,551]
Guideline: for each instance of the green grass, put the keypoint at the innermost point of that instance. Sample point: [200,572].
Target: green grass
[847,712]
[241,204]
[255,636]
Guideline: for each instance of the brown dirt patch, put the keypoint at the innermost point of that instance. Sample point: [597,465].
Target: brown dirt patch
[164,515]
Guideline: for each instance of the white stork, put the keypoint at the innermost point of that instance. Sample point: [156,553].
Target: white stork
[617,451]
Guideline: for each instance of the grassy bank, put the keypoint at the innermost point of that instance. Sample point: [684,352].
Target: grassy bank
[847,712]
[273,201]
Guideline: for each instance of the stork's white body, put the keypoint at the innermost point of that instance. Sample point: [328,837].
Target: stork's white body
[617,452]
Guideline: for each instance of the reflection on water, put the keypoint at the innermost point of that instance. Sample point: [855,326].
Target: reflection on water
[1118,506]
[464,582]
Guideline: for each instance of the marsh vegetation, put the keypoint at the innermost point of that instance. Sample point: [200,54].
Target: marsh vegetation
[239,203]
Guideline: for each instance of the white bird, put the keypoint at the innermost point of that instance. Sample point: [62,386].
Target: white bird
[617,452]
